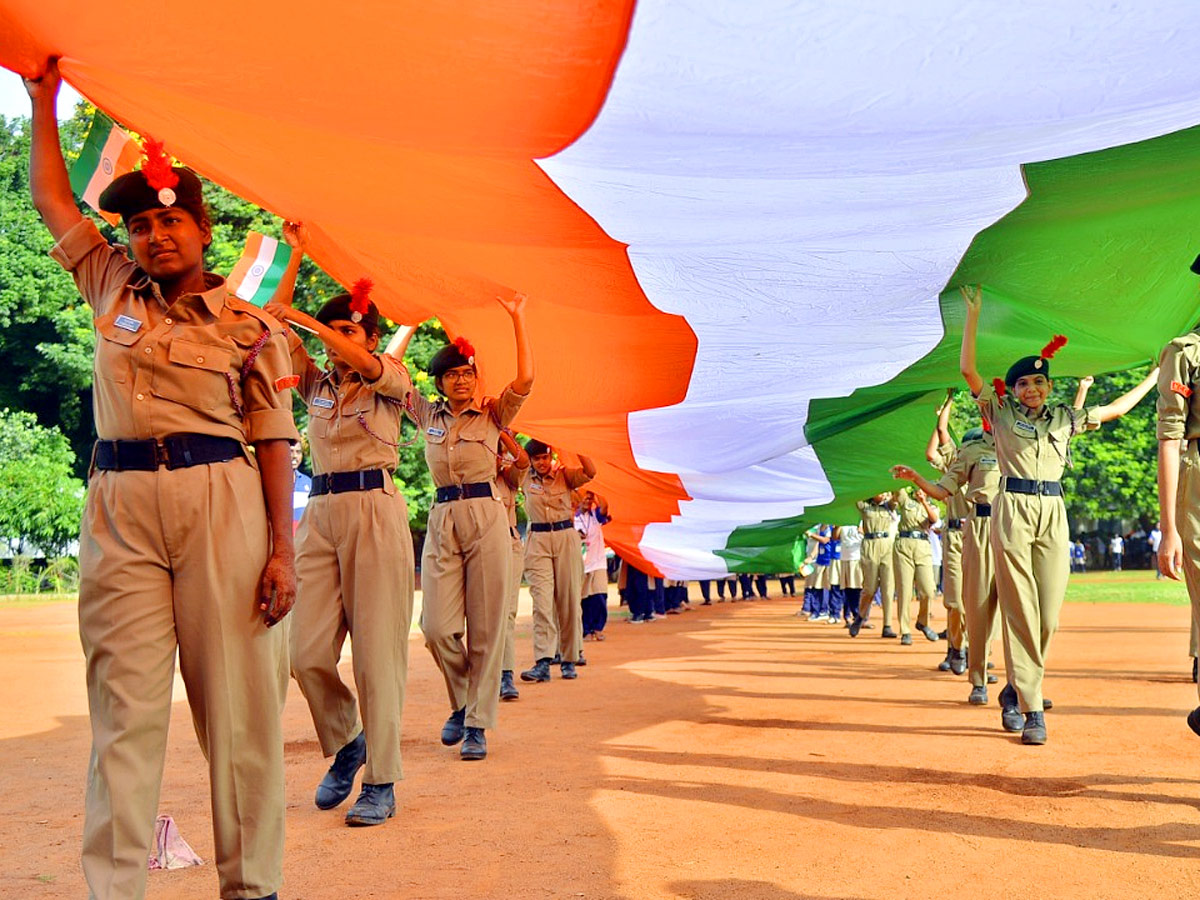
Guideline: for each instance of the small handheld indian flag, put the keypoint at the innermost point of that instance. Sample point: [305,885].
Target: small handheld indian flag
[257,274]
[107,154]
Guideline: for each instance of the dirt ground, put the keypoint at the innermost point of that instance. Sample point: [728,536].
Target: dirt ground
[730,752]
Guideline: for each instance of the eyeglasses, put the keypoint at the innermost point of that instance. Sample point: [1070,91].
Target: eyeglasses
[459,375]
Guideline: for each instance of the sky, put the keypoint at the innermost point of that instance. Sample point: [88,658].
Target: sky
[15,102]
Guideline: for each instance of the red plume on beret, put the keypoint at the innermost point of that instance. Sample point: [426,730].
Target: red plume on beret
[998,387]
[156,168]
[987,425]
[1056,343]
[360,296]
[464,347]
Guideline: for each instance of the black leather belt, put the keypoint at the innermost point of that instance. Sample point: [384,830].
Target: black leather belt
[875,535]
[1030,486]
[954,524]
[344,482]
[917,535]
[983,510]
[452,492]
[551,526]
[179,451]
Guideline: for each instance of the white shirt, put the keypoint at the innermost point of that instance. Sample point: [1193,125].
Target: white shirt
[935,543]
[1155,539]
[1117,544]
[588,525]
[851,543]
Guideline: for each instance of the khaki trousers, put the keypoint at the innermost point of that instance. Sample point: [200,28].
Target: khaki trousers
[354,566]
[981,605]
[554,570]
[464,578]
[517,565]
[1187,518]
[172,560]
[877,574]
[952,588]
[914,566]
[1029,538]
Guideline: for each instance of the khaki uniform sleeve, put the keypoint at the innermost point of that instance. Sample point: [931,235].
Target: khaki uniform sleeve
[1091,419]
[943,456]
[302,365]
[394,381]
[419,409]
[988,402]
[513,475]
[509,405]
[269,408]
[1175,388]
[99,269]
[957,473]
[576,477]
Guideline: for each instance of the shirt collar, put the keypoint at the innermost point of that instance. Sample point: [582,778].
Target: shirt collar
[213,295]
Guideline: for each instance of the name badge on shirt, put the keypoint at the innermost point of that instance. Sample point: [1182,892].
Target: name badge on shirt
[535,487]
[323,402]
[1024,429]
[128,323]
[988,462]
[434,431]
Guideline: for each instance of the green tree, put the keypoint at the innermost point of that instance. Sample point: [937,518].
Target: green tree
[40,500]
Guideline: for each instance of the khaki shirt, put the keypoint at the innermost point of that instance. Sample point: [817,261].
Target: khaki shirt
[975,471]
[957,506]
[912,514]
[352,424]
[1178,399]
[181,368]
[876,518]
[1035,447]
[461,449]
[548,499]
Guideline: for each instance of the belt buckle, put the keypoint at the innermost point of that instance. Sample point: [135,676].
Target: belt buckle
[162,456]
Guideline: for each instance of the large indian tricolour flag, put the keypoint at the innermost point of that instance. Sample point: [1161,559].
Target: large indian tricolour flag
[741,225]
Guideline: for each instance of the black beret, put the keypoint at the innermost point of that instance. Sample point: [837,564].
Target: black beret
[338,310]
[131,194]
[534,447]
[449,357]
[1027,365]
[974,434]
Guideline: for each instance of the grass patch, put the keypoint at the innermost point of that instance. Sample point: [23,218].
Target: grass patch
[17,601]
[1135,586]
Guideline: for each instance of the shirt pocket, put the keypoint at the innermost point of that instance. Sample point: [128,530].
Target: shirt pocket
[114,349]
[195,374]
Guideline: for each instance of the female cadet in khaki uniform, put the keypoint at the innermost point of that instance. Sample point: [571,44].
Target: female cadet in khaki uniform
[974,467]
[941,454]
[879,530]
[913,562]
[1179,470]
[1029,518]
[510,471]
[178,548]
[468,546]
[354,557]
[554,560]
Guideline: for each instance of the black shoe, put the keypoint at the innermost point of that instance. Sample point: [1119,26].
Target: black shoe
[581,661]
[1193,720]
[930,634]
[268,897]
[856,627]
[557,661]
[1010,713]
[958,662]
[374,806]
[568,671]
[474,744]
[1047,704]
[539,672]
[991,665]
[1195,670]
[992,679]
[906,640]
[944,665]
[887,632]
[452,731]
[942,635]
[339,780]
[978,696]
[1034,731]
[508,690]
